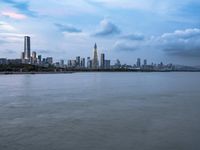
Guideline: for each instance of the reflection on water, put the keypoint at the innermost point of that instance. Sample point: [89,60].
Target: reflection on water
[100,111]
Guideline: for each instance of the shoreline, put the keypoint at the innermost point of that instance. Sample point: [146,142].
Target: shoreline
[70,72]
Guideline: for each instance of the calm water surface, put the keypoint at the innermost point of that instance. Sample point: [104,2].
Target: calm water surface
[100,111]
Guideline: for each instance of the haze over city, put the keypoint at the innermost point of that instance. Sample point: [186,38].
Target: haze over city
[166,31]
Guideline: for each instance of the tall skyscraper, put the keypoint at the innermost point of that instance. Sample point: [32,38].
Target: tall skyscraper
[102,61]
[27,47]
[78,61]
[138,62]
[82,62]
[95,63]
[145,62]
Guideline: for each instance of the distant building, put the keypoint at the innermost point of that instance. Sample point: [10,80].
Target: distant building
[89,63]
[145,62]
[3,61]
[117,64]
[82,62]
[62,63]
[102,61]
[95,62]
[78,61]
[138,63]
[49,60]
[22,55]
[34,57]
[14,61]
[107,64]
[27,47]
[71,63]
[39,59]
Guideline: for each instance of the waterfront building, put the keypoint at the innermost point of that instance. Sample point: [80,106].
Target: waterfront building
[95,62]
[22,55]
[145,62]
[107,64]
[71,63]
[27,47]
[138,63]
[78,61]
[102,61]
[62,63]
[82,62]
[3,61]
[39,59]
[49,60]
[117,64]
[89,63]
[34,58]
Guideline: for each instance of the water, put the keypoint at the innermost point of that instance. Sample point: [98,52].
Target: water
[100,111]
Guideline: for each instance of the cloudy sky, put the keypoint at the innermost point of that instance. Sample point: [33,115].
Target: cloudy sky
[156,30]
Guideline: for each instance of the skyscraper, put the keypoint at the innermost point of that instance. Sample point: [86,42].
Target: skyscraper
[27,47]
[78,61]
[95,63]
[138,62]
[102,61]
[82,62]
[145,62]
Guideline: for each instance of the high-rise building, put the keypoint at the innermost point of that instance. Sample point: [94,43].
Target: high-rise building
[62,63]
[49,60]
[89,63]
[39,58]
[102,61]
[34,58]
[78,61]
[107,64]
[34,55]
[138,62]
[95,62]
[22,55]
[82,62]
[145,62]
[27,47]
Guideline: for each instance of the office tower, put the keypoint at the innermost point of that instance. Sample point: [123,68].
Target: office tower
[117,64]
[88,63]
[71,63]
[78,61]
[82,62]
[62,63]
[34,55]
[95,62]
[27,47]
[102,61]
[138,62]
[49,60]
[22,55]
[107,64]
[34,58]
[145,62]
[39,58]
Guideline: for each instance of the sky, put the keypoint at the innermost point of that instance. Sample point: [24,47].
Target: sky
[167,30]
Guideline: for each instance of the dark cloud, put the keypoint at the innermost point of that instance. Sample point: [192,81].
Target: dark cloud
[107,29]
[67,28]
[23,7]
[182,43]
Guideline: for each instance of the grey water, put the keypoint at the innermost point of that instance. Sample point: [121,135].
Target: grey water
[100,111]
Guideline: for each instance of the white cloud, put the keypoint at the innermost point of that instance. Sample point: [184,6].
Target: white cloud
[13,15]
[4,26]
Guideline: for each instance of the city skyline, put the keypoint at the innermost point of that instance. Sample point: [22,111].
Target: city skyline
[166,31]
